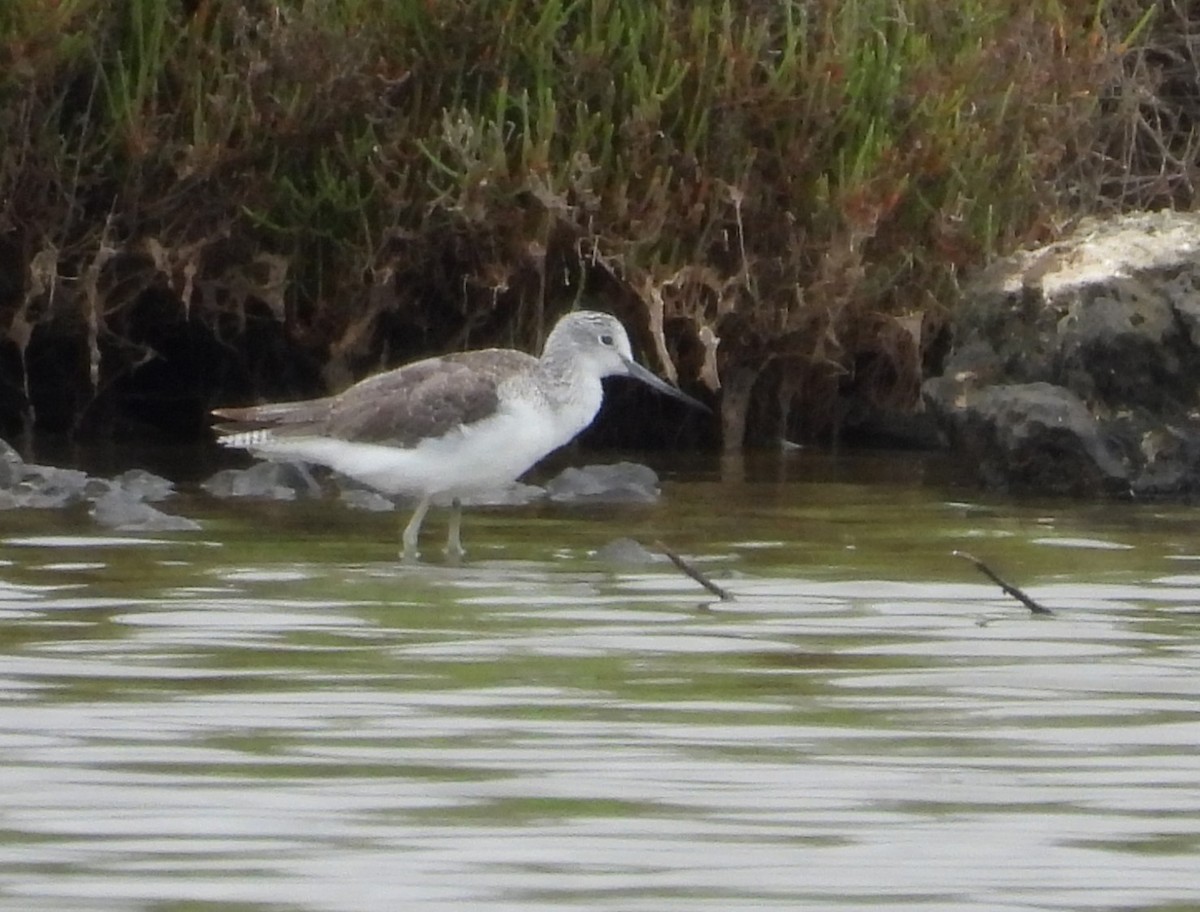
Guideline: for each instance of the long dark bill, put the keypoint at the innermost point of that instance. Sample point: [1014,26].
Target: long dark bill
[655,382]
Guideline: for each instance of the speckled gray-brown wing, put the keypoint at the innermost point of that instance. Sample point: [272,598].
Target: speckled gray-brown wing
[400,407]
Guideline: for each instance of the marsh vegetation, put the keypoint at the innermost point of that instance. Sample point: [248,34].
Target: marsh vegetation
[206,201]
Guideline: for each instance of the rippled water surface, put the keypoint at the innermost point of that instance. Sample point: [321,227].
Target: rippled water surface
[274,714]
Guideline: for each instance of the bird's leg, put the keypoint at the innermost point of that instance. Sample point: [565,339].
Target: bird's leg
[413,530]
[454,548]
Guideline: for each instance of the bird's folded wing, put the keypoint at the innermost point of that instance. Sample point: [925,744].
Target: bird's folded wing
[420,401]
[402,407]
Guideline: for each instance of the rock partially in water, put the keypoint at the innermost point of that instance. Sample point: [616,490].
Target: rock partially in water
[1172,455]
[265,480]
[121,510]
[366,499]
[620,482]
[145,486]
[42,487]
[1077,366]
[360,497]
[12,466]
[117,503]
[1038,436]
[516,494]
[627,551]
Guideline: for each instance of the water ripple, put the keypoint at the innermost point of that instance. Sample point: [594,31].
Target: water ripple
[337,733]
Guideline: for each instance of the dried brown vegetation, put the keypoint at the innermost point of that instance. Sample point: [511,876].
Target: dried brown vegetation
[212,200]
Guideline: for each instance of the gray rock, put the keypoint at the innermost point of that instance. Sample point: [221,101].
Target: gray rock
[124,512]
[95,487]
[12,466]
[626,551]
[265,480]
[1077,366]
[621,482]
[116,504]
[48,488]
[145,486]
[361,497]
[30,486]
[364,499]
[516,494]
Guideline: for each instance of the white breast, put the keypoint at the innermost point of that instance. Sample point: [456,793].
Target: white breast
[486,455]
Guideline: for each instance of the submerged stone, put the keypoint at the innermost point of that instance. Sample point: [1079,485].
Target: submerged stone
[364,499]
[12,466]
[516,494]
[360,497]
[117,504]
[48,488]
[627,551]
[620,482]
[145,486]
[264,480]
[122,511]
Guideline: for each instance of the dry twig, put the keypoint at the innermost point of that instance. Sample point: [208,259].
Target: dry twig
[1009,589]
[723,594]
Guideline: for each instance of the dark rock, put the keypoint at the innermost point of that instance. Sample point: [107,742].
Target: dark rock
[1077,367]
[869,424]
[621,482]
[1171,463]
[265,480]
[124,512]
[1035,436]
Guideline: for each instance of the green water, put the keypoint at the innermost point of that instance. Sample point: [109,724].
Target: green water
[274,714]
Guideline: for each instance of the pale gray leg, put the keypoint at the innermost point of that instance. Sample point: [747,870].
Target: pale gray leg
[413,530]
[454,548]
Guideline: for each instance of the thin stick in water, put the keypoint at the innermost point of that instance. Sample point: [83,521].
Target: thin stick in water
[1009,589]
[723,594]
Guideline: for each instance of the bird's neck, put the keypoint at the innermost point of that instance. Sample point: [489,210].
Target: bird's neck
[571,387]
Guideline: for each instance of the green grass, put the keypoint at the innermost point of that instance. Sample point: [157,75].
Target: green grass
[794,176]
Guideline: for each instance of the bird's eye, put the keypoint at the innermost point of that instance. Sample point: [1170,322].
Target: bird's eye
[606,339]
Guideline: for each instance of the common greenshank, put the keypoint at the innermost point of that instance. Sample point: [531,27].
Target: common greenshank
[451,426]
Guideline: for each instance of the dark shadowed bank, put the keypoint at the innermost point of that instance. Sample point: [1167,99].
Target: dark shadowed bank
[207,202]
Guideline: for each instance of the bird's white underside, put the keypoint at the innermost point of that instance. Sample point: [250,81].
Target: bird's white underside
[480,457]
